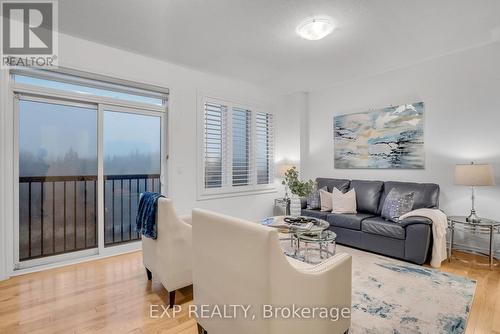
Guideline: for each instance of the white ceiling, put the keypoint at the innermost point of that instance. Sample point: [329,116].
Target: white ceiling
[255,40]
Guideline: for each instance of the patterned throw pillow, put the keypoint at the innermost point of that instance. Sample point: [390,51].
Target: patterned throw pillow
[397,204]
[313,201]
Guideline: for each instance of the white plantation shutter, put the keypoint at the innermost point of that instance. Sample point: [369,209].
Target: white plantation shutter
[264,147]
[238,148]
[241,147]
[214,144]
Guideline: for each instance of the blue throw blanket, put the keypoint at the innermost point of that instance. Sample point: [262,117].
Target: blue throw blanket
[145,222]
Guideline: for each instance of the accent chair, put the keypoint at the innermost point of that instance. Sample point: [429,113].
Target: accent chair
[169,257]
[237,262]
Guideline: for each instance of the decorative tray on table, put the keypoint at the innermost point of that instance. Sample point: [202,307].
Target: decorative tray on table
[293,223]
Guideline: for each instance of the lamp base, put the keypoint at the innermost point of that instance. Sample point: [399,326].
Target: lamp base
[473,217]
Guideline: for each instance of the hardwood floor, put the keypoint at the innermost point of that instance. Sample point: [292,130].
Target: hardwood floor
[485,312]
[113,296]
[105,296]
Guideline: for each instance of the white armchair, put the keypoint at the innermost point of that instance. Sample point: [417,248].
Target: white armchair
[236,262]
[168,257]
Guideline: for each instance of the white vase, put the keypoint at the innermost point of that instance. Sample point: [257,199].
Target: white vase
[295,206]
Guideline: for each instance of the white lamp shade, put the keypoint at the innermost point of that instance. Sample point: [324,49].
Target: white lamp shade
[283,168]
[474,175]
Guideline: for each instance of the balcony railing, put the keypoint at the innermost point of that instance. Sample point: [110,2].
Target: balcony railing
[58,214]
[121,198]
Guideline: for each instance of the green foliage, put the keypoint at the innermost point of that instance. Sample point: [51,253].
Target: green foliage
[297,187]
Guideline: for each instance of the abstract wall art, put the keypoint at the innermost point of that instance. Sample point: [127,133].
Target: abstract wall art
[391,137]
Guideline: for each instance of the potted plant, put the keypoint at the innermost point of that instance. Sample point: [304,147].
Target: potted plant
[297,188]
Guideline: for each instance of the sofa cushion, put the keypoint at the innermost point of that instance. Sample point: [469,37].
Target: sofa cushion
[379,226]
[340,184]
[426,195]
[350,221]
[314,213]
[367,195]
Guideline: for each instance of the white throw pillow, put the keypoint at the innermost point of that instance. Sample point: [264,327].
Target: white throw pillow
[325,198]
[343,203]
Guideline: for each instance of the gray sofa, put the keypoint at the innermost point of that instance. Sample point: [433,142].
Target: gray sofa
[410,239]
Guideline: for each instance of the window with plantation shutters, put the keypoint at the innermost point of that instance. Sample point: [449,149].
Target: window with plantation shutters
[238,149]
[264,147]
[214,144]
[241,147]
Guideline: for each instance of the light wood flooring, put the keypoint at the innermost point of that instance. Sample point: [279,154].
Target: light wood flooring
[113,296]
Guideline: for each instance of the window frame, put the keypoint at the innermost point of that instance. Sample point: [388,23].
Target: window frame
[228,189]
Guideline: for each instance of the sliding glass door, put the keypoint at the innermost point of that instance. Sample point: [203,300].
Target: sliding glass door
[57,177]
[70,152]
[132,165]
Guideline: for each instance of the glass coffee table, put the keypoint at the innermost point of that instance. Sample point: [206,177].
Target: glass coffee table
[322,244]
[317,239]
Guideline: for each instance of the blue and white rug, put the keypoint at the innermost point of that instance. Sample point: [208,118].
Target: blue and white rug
[391,296]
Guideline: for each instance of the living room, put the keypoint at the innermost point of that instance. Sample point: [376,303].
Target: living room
[145,151]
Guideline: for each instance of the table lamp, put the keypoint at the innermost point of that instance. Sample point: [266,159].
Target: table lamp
[474,175]
[282,168]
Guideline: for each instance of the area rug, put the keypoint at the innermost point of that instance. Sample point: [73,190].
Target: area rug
[391,296]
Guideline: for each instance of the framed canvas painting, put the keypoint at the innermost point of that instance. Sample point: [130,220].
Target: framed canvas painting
[391,137]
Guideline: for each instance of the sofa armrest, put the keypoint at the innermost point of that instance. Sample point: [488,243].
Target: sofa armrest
[418,242]
[415,220]
[303,202]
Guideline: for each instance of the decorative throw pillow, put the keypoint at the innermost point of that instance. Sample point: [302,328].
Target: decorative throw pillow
[397,204]
[313,200]
[325,200]
[344,203]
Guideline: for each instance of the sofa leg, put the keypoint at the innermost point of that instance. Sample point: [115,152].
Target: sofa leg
[201,330]
[171,298]
[150,275]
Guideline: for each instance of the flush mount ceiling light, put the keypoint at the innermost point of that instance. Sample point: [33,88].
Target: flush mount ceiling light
[315,28]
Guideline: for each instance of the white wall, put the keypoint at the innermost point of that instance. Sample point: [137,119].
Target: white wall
[292,110]
[288,126]
[462,123]
[185,85]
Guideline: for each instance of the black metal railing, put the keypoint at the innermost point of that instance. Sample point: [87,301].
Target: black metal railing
[58,214]
[121,198]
